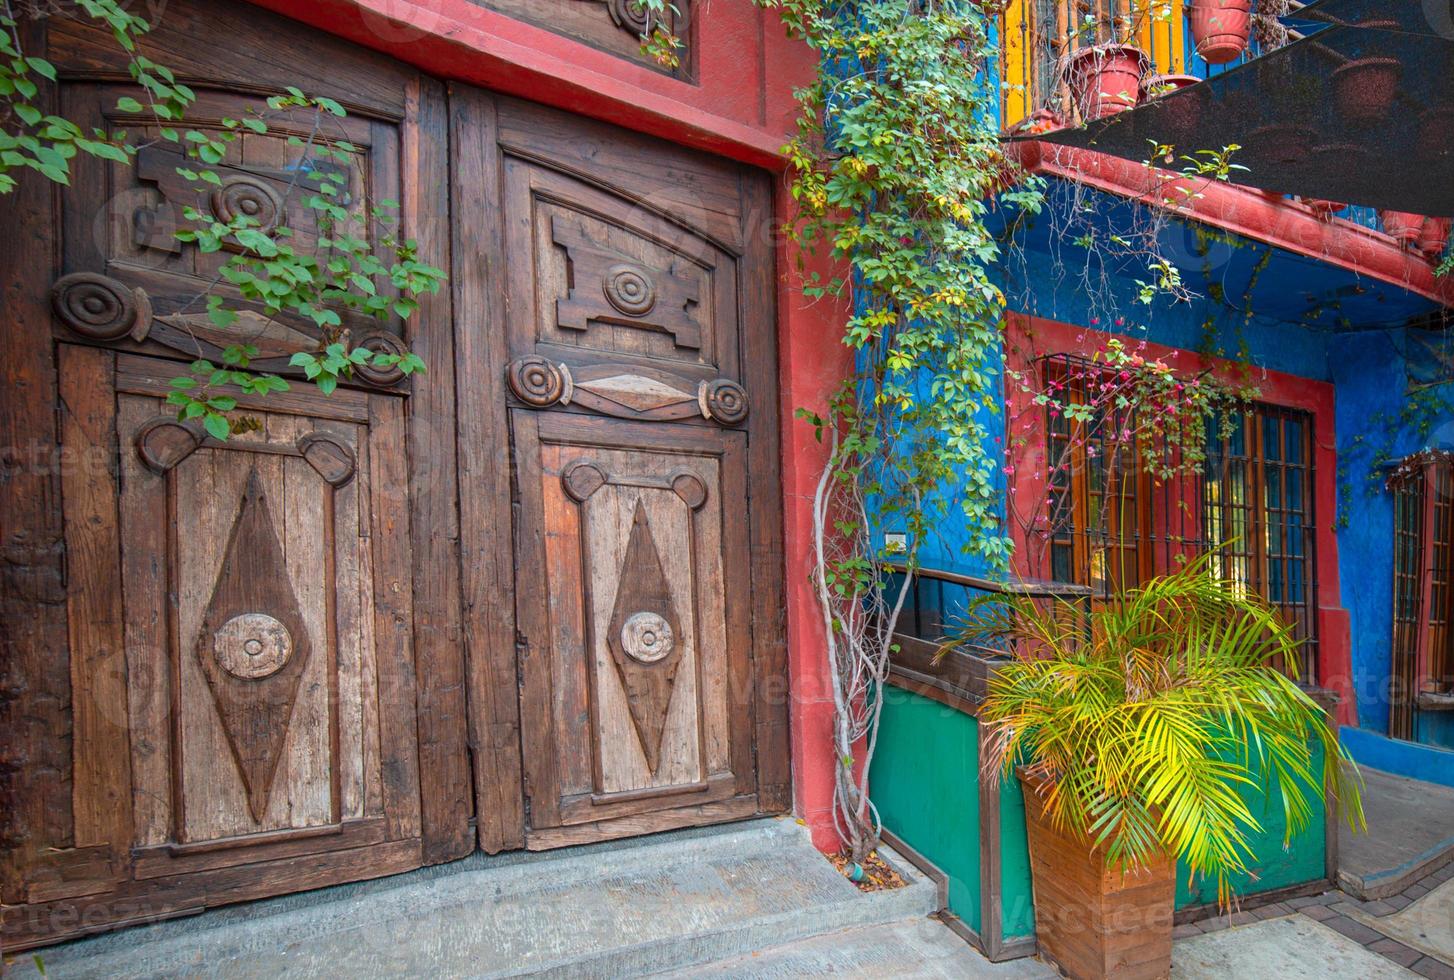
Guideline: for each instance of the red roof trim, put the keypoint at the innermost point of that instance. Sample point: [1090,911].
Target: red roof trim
[1247,212]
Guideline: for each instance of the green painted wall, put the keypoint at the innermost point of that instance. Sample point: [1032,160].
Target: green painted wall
[926,788]
[1273,865]
[1017,910]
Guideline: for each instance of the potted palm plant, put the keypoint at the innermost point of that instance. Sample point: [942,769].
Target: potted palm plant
[1136,728]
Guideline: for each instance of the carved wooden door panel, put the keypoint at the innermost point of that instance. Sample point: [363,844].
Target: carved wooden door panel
[268,685]
[214,696]
[634,285]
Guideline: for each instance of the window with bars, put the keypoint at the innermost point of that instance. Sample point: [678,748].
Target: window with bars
[1113,525]
[1423,537]
[1099,512]
[1258,510]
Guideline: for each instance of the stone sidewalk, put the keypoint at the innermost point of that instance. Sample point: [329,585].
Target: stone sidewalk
[1413,929]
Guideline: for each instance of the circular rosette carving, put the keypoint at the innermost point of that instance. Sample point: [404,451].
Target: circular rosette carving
[723,401]
[629,288]
[630,15]
[94,306]
[538,382]
[647,637]
[252,646]
[380,343]
[250,198]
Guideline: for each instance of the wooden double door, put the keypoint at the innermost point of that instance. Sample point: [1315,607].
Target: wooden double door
[531,597]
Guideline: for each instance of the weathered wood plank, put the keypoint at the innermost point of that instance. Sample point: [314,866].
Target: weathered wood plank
[764,490]
[35,765]
[394,617]
[102,774]
[485,511]
[439,649]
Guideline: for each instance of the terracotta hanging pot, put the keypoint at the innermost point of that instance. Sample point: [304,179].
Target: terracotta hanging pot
[1155,86]
[1364,90]
[1106,79]
[1402,226]
[1220,29]
[1434,236]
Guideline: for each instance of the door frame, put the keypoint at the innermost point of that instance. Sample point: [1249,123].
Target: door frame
[488,568]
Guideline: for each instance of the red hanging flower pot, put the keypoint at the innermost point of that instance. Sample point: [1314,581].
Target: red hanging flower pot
[1402,226]
[1364,90]
[1106,79]
[1434,236]
[1220,29]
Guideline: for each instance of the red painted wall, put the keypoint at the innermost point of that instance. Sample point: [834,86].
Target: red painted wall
[1029,337]
[739,106]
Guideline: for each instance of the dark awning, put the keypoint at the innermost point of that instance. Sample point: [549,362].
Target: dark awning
[1319,117]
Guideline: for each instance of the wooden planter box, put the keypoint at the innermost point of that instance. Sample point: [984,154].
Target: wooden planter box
[1092,920]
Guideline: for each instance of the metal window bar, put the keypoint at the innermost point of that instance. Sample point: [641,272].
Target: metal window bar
[1408,600]
[1099,513]
[1259,507]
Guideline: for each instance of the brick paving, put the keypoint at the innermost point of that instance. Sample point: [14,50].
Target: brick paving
[1332,909]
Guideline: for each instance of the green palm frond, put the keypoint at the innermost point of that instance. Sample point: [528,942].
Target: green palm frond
[1149,720]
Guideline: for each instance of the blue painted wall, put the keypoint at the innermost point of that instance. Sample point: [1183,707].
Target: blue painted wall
[1044,276]
[1371,372]
[1427,762]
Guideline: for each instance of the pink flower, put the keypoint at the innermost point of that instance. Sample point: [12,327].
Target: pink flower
[1094,321]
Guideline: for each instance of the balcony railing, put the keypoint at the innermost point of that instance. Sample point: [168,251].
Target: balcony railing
[938,605]
[1039,36]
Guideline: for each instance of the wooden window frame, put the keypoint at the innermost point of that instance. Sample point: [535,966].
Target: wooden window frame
[1422,651]
[1156,550]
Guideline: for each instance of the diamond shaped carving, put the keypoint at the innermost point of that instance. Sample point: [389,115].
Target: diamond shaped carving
[645,637]
[253,646]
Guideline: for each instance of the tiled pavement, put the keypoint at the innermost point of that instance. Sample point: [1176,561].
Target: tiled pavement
[1333,910]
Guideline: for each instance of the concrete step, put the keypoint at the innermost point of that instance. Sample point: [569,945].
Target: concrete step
[1410,834]
[628,908]
[910,949]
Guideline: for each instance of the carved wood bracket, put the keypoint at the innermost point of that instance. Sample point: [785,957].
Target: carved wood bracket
[626,392]
[100,308]
[610,289]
